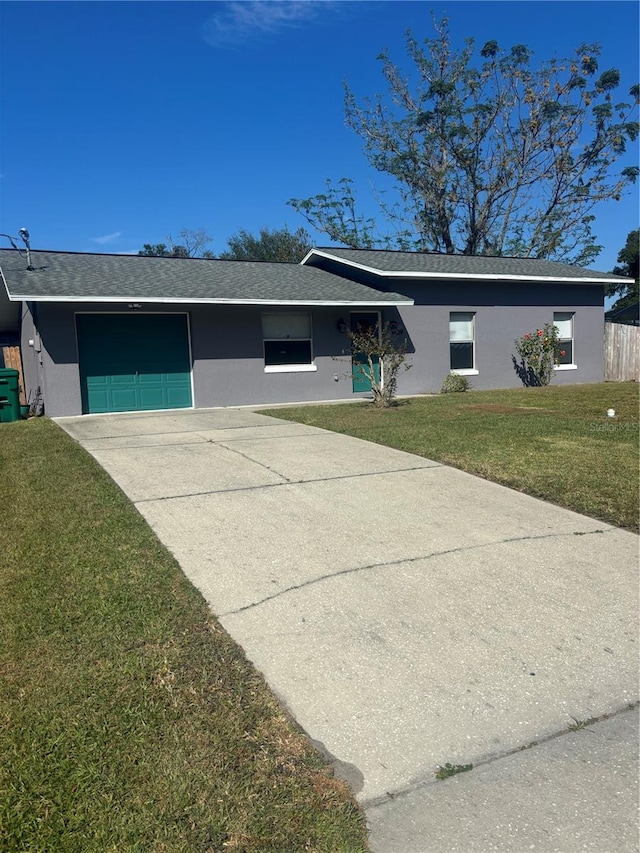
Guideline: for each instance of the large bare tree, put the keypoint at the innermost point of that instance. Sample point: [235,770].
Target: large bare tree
[489,154]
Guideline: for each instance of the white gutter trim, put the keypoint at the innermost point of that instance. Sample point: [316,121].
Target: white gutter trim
[173,300]
[467,276]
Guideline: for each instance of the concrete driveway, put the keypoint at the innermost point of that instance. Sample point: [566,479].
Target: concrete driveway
[408,615]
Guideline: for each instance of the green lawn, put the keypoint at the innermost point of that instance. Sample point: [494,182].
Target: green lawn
[129,721]
[556,442]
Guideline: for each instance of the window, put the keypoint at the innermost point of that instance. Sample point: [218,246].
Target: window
[563,321]
[287,342]
[461,341]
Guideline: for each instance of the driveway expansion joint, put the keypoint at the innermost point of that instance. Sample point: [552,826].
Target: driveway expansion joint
[285,482]
[403,560]
[399,793]
[249,459]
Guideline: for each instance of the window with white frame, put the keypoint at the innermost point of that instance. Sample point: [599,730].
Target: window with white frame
[563,321]
[287,342]
[462,341]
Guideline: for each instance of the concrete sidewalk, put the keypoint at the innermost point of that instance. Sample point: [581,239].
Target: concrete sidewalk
[408,615]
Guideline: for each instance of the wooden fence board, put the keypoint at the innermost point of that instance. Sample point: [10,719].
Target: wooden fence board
[621,352]
[11,357]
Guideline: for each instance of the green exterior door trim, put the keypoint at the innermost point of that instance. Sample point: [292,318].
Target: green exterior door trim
[134,362]
[360,381]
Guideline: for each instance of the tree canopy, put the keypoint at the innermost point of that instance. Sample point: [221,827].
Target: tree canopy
[191,243]
[159,250]
[487,155]
[279,244]
[628,258]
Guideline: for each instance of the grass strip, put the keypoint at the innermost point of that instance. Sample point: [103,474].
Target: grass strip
[555,443]
[129,720]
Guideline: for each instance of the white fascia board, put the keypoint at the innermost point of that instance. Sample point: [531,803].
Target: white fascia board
[148,300]
[500,277]
[468,276]
[6,286]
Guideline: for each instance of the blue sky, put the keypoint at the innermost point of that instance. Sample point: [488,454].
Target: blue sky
[123,122]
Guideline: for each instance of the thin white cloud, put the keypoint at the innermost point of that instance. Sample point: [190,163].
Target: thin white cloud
[108,238]
[237,22]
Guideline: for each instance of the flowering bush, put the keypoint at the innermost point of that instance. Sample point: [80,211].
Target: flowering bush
[539,352]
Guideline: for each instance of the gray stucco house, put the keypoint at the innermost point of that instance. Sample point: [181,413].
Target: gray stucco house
[103,333]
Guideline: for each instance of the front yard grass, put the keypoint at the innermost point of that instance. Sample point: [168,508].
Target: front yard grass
[556,443]
[129,721]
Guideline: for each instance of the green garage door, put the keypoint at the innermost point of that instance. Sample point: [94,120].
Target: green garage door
[133,362]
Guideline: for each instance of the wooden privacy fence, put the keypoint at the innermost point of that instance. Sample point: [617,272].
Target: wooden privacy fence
[10,357]
[621,352]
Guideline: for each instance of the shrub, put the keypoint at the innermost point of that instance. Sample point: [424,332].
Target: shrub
[538,353]
[454,383]
[385,356]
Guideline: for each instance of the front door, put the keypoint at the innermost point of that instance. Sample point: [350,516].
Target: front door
[360,378]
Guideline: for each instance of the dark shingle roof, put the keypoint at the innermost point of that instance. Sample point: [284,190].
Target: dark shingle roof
[628,314]
[425,264]
[67,276]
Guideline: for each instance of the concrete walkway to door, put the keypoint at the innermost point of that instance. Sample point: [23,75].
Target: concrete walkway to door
[409,615]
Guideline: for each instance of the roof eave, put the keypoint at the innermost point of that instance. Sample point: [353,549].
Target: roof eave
[154,300]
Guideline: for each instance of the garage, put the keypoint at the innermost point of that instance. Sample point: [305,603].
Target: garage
[134,362]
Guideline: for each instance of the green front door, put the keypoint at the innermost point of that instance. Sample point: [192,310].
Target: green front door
[133,362]
[359,365]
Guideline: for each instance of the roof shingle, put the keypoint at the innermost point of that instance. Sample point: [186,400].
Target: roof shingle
[406,264]
[67,276]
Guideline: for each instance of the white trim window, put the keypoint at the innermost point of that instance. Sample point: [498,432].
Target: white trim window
[462,349]
[563,321]
[287,342]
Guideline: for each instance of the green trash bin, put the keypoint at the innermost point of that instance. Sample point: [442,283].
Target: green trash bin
[9,395]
